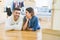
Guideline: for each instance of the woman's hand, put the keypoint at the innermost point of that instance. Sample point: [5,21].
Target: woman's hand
[30,29]
[26,23]
[27,19]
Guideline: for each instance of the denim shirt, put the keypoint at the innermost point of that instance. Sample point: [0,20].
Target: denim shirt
[33,23]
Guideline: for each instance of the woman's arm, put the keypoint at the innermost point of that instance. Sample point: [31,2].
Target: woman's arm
[35,24]
[25,23]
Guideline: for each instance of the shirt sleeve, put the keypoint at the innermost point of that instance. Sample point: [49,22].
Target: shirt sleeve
[35,25]
[8,25]
[15,26]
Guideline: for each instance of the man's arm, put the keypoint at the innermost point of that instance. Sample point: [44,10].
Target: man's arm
[8,25]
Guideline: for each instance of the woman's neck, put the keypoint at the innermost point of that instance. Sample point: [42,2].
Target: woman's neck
[30,17]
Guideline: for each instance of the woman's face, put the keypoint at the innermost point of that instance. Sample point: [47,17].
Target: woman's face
[28,15]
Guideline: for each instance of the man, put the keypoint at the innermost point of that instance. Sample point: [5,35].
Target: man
[14,22]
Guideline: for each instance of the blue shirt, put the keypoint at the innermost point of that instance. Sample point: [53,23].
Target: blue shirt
[33,23]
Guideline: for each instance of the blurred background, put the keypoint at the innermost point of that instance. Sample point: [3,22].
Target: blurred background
[48,12]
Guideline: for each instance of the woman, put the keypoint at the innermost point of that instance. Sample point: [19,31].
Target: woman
[30,21]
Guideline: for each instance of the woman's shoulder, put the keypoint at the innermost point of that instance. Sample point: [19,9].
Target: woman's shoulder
[35,17]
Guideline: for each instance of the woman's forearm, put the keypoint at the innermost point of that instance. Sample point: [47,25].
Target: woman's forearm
[25,25]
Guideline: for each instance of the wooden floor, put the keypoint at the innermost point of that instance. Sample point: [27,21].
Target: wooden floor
[19,35]
[26,35]
[50,34]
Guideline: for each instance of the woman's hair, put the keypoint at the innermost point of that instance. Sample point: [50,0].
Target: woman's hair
[30,10]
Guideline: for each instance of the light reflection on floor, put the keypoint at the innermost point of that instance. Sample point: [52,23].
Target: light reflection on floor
[19,35]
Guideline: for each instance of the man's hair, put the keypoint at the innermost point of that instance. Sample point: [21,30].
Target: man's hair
[17,9]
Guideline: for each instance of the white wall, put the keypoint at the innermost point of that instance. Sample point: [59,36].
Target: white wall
[28,3]
[40,3]
[56,19]
[2,14]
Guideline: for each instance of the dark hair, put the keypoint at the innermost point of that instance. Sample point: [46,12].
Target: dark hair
[30,10]
[17,9]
